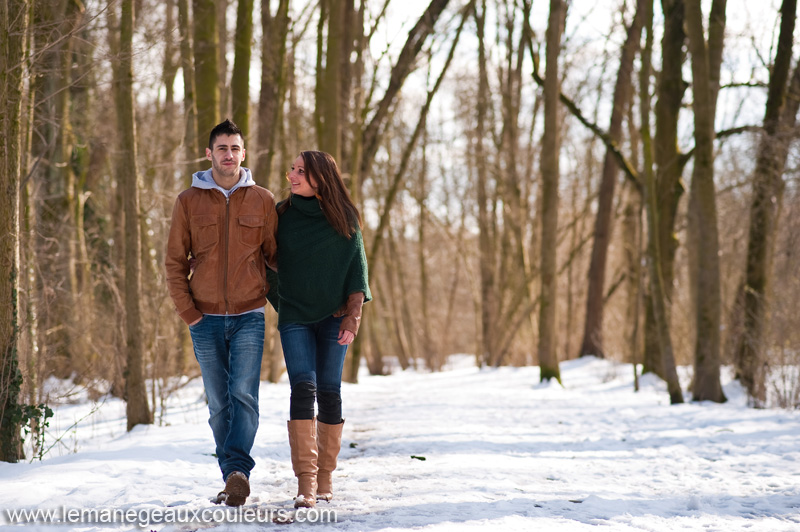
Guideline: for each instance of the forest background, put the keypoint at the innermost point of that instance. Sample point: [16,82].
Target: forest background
[540,180]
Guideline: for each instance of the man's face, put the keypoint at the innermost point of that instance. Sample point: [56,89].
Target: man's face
[227,156]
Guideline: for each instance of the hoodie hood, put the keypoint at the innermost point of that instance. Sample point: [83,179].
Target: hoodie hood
[205,180]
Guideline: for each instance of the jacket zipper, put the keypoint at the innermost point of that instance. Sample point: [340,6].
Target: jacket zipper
[227,238]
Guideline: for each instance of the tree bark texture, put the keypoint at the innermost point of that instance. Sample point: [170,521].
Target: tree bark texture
[548,342]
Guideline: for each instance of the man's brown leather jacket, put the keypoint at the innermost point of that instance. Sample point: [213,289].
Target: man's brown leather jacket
[232,240]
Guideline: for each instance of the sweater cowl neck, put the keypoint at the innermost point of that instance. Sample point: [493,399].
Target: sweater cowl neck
[307,205]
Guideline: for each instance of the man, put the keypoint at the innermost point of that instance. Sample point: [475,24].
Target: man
[224,226]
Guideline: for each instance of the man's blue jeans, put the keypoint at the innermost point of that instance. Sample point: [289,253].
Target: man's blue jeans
[229,349]
[313,355]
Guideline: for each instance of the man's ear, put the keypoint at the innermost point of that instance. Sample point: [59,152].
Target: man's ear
[208,154]
[244,152]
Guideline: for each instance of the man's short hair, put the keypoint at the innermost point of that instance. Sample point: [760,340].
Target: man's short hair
[225,128]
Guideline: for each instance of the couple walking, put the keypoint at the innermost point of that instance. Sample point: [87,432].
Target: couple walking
[226,242]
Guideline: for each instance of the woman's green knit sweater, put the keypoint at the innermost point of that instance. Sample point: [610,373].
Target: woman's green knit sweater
[317,267]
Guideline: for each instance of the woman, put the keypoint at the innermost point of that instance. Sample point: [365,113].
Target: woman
[322,284]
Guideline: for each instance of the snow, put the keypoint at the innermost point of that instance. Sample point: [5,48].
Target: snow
[459,450]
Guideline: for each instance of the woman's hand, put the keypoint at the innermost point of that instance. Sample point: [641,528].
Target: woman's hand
[346,337]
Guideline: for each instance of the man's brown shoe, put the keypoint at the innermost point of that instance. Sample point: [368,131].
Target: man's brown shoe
[237,488]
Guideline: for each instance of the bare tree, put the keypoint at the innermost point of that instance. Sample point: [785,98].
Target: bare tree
[14,26]
[670,88]
[137,409]
[706,60]
[405,63]
[374,130]
[768,187]
[547,350]
[656,278]
[595,299]
[52,145]
[488,293]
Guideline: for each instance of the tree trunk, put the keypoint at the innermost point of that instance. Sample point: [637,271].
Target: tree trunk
[14,26]
[355,82]
[30,355]
[633,233]
[656,279]
[669,167]
[190,139]
[137,409]
[83,123]
[593,325]
[240,80]
[206,72]
[631,236]
[428,349]
[169,70]
[773,149]
[273,86]
[319,88]
[401,323]
[221,25]
[486,261]
[548,342]
[330,80]
[702,208]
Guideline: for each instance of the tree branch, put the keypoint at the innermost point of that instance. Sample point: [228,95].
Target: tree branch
[624,164]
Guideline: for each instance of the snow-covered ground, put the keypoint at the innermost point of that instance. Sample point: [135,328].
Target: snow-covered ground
[495,450]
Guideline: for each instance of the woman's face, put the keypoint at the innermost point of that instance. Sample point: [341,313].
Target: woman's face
[302,184]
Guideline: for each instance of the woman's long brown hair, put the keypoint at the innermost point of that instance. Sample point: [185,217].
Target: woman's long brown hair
[334,198]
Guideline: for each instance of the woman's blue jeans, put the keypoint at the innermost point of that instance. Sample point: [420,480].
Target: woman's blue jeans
[229,349]
[314,360]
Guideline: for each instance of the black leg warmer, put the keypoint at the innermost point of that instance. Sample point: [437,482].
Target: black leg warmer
[330,407]
[301,402]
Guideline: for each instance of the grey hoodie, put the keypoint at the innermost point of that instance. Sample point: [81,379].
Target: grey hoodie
[205,180]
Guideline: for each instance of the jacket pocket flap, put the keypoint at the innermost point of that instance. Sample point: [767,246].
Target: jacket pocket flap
[203,220]
[252,221]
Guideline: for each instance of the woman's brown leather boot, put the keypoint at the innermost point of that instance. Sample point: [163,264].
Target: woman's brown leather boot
[329,442]
[303,444]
